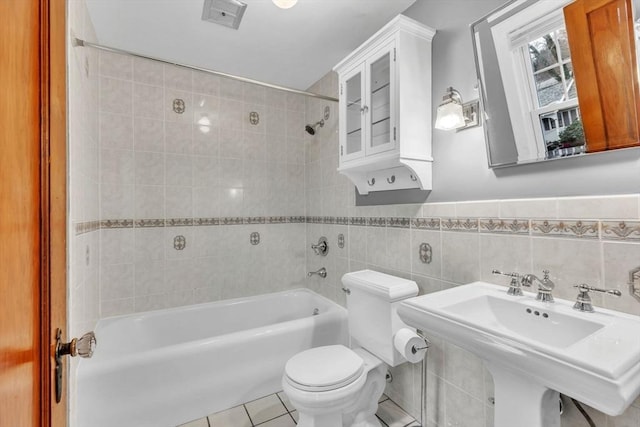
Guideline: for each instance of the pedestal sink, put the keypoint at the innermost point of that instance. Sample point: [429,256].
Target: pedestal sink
[536,350]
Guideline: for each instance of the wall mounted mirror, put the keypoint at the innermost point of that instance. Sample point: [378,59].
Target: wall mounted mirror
[558,78]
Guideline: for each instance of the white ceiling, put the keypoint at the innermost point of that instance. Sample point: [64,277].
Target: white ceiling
[292,47]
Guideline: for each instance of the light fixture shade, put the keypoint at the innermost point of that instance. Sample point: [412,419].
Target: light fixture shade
[449,116]
[285,4]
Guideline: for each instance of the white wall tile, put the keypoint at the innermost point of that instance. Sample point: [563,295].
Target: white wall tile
[570,262]
[177,77]
[150,244]
[206,83]
[601,207]
[117,201]
[116,131]
[116,96]
[148,72]
[148,134]
[178,137]
[178,202]
[460,257]
[116,167]
[148,101]
[149,168]
[178,170]
[116,65]
[206,143]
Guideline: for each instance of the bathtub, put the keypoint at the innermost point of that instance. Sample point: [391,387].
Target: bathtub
[168,367]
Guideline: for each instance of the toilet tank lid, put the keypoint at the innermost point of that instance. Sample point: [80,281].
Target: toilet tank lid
[383,285]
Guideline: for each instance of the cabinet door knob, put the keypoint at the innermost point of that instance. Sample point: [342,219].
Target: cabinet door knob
[364,109]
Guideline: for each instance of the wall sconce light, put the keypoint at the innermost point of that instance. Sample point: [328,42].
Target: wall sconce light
[453,114]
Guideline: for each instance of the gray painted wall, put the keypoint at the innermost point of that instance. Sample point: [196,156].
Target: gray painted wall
[460,159]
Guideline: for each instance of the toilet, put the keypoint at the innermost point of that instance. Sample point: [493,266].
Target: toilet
[333,386]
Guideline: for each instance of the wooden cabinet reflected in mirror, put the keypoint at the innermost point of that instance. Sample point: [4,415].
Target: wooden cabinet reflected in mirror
[557,78]
[601,35]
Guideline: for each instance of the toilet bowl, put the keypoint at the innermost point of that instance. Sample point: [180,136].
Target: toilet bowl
[333,386]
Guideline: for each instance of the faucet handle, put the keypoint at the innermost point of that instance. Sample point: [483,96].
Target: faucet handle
[498,272]
[515,287]
[583,301]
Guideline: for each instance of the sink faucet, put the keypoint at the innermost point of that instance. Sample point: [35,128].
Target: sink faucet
[545,285]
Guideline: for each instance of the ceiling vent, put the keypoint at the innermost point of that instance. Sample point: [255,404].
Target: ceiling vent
[224,12]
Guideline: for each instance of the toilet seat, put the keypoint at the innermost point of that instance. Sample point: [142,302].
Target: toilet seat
[324,368]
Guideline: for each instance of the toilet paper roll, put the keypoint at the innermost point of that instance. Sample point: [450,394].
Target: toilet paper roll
[410,345]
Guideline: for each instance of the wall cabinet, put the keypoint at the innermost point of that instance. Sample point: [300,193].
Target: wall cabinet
[385,109]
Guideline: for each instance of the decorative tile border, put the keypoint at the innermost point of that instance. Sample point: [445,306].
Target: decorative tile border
[85,227]
[358,221]
[144,223]
[457,224]
[581,229]
[400,222]
[504,226]
[206,221]
[426,223]
[586,229]
[621,230]
[116,223]
[377,221]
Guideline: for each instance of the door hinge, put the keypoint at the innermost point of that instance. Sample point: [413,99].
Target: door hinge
[394,54]
[340,88]
[341,150]
[394,133]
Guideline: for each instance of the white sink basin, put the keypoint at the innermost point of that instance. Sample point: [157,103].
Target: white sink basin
[535,349]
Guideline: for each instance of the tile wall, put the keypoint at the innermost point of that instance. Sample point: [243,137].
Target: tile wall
[595,240]
[206,160]
[83,185]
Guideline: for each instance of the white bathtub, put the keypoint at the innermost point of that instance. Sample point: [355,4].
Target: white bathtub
[167,367]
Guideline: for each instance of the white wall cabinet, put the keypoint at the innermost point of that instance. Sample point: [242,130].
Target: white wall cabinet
[385,109]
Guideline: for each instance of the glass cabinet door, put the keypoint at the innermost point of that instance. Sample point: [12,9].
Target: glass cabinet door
[380,123]
[352,88]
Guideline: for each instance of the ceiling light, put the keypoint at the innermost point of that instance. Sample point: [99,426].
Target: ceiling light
[285,4]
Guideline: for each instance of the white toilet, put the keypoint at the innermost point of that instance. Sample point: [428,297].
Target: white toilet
[335,386]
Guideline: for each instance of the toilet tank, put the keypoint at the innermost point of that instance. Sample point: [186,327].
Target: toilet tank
[372,311]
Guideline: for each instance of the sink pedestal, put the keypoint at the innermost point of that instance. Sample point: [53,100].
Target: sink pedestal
[521,401]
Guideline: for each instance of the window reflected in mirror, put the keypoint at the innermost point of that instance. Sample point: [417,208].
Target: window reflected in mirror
[548,86]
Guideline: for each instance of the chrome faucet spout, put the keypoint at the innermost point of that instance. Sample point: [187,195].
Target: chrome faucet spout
[545,285]
[322,273]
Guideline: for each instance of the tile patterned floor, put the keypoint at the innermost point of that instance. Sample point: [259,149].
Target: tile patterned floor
[276,411]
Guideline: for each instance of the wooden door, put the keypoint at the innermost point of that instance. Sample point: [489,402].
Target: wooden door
[601,36]
[32,208]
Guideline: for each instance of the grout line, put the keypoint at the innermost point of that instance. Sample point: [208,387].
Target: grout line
[247,411]
[381,421]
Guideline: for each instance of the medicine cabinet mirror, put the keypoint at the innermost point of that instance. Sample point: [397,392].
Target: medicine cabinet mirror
[558,78]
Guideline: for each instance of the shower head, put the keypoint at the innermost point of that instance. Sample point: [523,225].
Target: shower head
[311,129]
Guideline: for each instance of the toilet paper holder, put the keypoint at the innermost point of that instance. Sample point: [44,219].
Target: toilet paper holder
[427,343]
